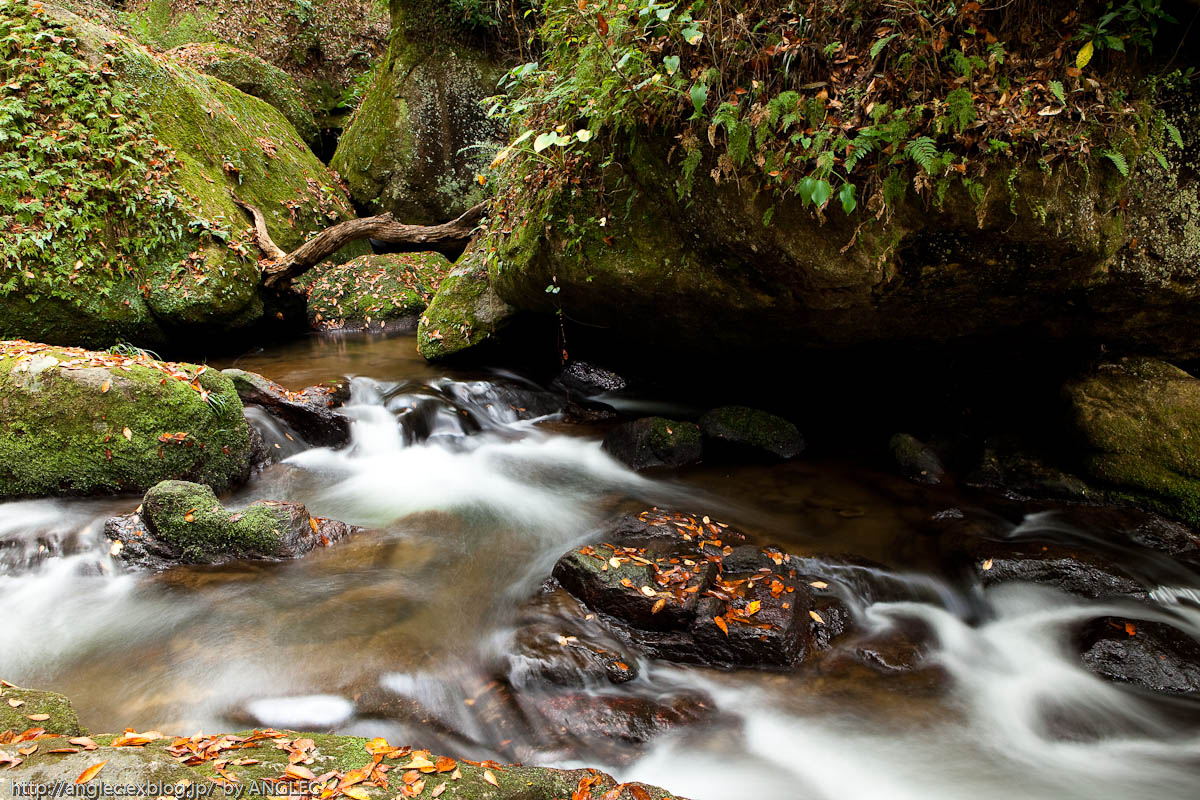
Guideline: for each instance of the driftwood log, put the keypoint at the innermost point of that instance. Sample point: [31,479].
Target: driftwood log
[280,268]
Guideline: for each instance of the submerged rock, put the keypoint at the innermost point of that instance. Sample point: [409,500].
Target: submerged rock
[1151,655]
[374,293]
[184,523]
[740,432]
[655,442]
[917,461]
[132,422]
[1138,418]
[60,720]
[311,412]
[690,590]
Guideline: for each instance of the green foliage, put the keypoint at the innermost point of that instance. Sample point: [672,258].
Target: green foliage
[1118,160]
[156,26]
[1132,22]
[85,190]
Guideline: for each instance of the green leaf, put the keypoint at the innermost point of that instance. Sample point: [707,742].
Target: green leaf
[805,189]
[692,34]
[1175,135]
[699,95]
[1084,56]
[1057,88]
[821,193]
[543,141]
[672,64]
[879,44]
[1118,161]
[583,135]
[846,195]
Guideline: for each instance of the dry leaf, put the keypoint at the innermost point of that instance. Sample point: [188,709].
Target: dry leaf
[85,742]
[445,764]
[490,778]
[987,565]
[816,617]
[658,606]
[639,793]
[357,792]
[295,772]
[819,585]
[28,751]
[89,773]
[104,387]
[15,703]
[753,608]
[722,624]
[437,790]
[37,717]
[128,434]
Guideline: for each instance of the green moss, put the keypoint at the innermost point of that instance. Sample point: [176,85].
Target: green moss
[189,516]
[750,427]
[465,313]
[63,720]
[64,426]
[373,290]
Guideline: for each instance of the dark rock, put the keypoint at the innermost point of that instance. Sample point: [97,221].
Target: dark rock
[182,522]
[747,433]
[654,442]
[310,412]
[1007,466]
[588,380]
[632,720]
[917,461]
[1152,655]
[677,587]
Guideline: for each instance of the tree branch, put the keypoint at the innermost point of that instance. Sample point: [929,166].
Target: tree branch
[281,268]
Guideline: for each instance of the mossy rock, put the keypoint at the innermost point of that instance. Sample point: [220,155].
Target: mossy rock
[655,442]
[1140,421]
[378,292]
[78,422]
[186,265]
[330,753]
[743,432]
[465,314]
[420,138]
[256,77]
[62,719]
[917,461]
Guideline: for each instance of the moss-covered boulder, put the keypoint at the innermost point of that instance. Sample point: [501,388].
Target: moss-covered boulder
[420,138]
[374,293]
[22,709]
[1140,421]
[270,754]
[254,76]
[83,422]
[917,461]
[122,225]
[466,314]
[655,442]
[741,432]
[184,523]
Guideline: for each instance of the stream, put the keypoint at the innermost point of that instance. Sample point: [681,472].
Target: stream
[402,631]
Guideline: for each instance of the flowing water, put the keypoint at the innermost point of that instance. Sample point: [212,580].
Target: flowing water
[404,631]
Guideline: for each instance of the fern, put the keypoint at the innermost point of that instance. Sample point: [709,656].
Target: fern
[1176,137]
[1159,157]
[878,46]
[960,108]
[923,152]
[1057,88]
[1118,161]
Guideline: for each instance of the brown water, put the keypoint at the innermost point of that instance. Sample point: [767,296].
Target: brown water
[404,631]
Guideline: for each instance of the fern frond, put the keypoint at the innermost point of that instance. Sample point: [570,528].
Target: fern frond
[1118,161]
[923,152]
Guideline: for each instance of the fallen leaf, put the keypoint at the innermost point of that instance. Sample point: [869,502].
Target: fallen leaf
[445,764]
[722,624]
[816,617]
[639,793]
[128,434]
[295,772]
[1131,629]
[658,606]
[15,703]
[987,565]
[84,741]
[753,608]
[357,792]
[37,717]
[490,778]
[312,523]
[89,773]
[28,751]
[104,387]
[437,790]
[819,585]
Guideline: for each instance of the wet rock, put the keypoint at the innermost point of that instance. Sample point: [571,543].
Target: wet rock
[310,412]
[627,719]
[655,442]
[747,433]
[501,401]
[375,293]
[466,316]
[678,587]
[1137,417]
[182,522]
[1152,655]
[62,719]
[588,380]
[917,461]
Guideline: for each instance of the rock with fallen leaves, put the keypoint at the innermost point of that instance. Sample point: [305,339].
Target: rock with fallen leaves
[741,433]
[1151,655]
[75,421]
[311,412]
[655,442]
[184,523]
[687,588]
[29,710]
[375,293]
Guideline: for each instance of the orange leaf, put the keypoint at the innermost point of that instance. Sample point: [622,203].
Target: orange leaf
[85,742]
[722,624]
[639,793]
[295,772]
[90,773]
[312,523]
[37,717]
[445,764]
[658,606]
[357,792]
[1131,629]
[15,703]
[753,608]
[602,24]
[104,387]
[816,617]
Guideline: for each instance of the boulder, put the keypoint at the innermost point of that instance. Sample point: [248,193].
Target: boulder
[1138,419]
[466,314]
[689,589]
[588,380]
[178,260]
[61,719]
[917,461]
[655,442]
[184,523]
[83,422]
[310,412]
[254,76]
[374,293]
[421,136]
[629,720]
[1152,655]
[748,433]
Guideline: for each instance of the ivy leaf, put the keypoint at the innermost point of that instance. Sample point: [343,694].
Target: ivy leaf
[692,34]
[583,135]
[543,141]
[672,64]
[699,95]
[849,201]
[1084,56]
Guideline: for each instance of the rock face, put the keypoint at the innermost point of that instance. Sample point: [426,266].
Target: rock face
[61,721]
[310,412]
[183,522]
[254,76]
[465,314]
[655,442]
[374,293]
[1139,418]
[182,262]
[691,590]
[747,433]
[133,422]
[421,135]
[1147,654]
